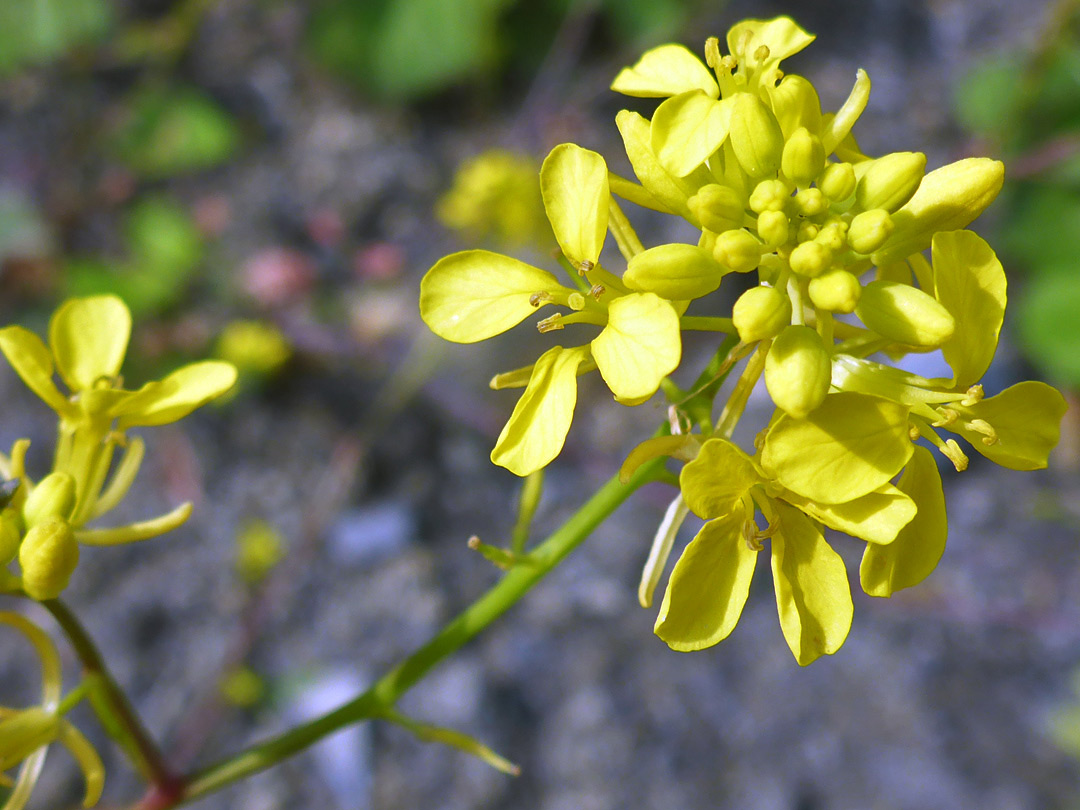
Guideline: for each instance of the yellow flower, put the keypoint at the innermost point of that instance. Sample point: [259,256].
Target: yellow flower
[256,347]
[476,294]
[26,733]
[496,194]
[88,338]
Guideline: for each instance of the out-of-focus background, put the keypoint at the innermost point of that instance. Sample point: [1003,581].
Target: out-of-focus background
[267,181]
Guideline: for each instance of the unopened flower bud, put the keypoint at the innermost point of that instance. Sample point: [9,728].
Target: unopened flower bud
[869,230]
[890,181]
[835,291]
[737,250]
[833,236]
[10,535]
[755,136]
[810,202]
[810,259]
[798,370]
[837,182]
[54,496]
[48,556]
[796,104]
[904,314]
[772,227]
[769,195]
[808,231]
[760,313]
[803,158]
[718,208]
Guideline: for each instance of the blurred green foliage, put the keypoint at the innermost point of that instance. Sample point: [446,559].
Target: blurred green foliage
[164,249]
[175,130]
[1028,104]
[400,50]
[38,31]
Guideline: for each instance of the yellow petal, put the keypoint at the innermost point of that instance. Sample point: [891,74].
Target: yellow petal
[948,198]
[177,395]
[876,517]
[669,191]
[676,271]
[665,71]
[910,558]
[708,587]
[639,346]
[89,337]
[849,446]
[683,446]
[781,35]
[574,182]
[1027,420]
[837,128]
[969,282]
[136,532]
[717,479]
[812,592]
[88,759]
[687,129]
[537,428]
[33,363]
[476,294]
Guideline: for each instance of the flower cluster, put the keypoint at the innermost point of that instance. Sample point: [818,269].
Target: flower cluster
[42,523]
[837,240]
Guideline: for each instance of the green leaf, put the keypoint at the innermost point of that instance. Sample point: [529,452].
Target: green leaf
[813,596]
[910,558]
[39,31]
[708,587]
[1049,330]
[176,131]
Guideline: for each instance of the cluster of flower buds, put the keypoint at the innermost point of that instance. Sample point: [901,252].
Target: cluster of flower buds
[43,523]
[776,187]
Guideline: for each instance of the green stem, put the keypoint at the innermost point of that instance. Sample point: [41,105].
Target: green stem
[706,324]
[382,696]
[113,708]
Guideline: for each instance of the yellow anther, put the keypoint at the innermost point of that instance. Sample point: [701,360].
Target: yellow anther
[596,291]
[948,417]
[538,298]
[913,431]
[762,53]
[990,436]
[712,52]
[952,451]
[729,63]
[974,394]
[550,324]
[585,267]
[752,535]
[759,439]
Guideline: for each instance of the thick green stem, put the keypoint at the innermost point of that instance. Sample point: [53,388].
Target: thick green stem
[111,704]
[384,694]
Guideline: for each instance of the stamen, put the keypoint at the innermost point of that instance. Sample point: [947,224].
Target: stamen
[952,451]
[759,439]
[751,532]
[948,417]
[550,324]
[679,421]
[974,394]
[729,63]
[597,290]
[538,298]
[762,53]
[990,437]
[913,431]
[712,52]
[585,267]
